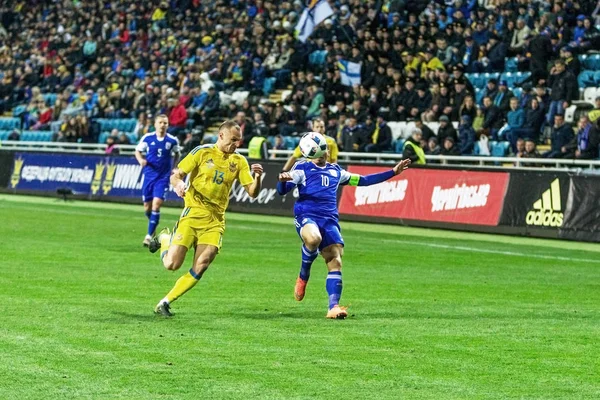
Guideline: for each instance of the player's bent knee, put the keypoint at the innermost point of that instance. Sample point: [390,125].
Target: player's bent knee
[313,239]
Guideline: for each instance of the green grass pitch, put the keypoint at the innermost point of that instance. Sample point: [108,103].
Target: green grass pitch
[435,314]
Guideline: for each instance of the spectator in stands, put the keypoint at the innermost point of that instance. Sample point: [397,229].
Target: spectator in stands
[14,135]
[260,126]
[530,151]
[534,118]
[467,136]
[479,119]
[350,134]
[518,42]
[258,147]
[177,117]
[446,129]
[503,97]
[564,89]
[469,53]
[142,125]
[493,117]
[381,138]
[496,54]
[520,147]
[211,107]
[560,137]
[450,149]
[491,89]
[426,131]
[246,128]
[412,147]
[279,145]
[540,52]
[468,107]
[515,120]
[316,99]
[572,63]
[433,147]
[585,145]
[123,139]
[111,147]
[258,76]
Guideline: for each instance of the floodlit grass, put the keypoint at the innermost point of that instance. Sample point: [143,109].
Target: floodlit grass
[435,315]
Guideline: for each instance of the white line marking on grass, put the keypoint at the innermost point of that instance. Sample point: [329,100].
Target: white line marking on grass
[489,251]
[459,248]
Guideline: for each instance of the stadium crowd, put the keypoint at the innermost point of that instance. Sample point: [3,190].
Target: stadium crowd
[126,59]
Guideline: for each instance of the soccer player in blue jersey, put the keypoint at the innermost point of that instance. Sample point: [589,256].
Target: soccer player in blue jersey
[316,218]
[161,153]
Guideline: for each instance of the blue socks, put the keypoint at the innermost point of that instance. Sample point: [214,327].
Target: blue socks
[148,214]
[153,223]
[307,259]
[333,284]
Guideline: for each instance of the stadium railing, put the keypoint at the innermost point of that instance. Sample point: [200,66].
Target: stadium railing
[380,158]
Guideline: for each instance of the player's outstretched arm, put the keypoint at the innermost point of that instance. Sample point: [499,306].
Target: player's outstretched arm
[177,181]
[253,189]
[285,183]
[373,179]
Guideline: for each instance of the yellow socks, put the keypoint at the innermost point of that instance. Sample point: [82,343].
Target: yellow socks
[183,284]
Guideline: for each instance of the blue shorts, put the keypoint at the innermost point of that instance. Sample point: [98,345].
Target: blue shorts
[329,228]
[156,188]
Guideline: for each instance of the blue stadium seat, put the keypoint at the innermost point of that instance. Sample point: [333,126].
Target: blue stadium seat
[289,142]
[296,141]
[479,95]
[10,123]
[500,149]
[517,92]
[4,135]
[18,110]
[271,140]
[269,86]
[521,76]
[586,79]
[209,139]
[597,78]
[592,62]
[103,136]
[127,124]
[133,139]
[50,99]
[398,146]
[26,136]
[511,65]
[509,77]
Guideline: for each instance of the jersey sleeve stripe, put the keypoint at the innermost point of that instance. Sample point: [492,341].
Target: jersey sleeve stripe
[204,146]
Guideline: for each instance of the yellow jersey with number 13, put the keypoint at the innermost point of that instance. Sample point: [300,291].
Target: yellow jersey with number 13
[211,175]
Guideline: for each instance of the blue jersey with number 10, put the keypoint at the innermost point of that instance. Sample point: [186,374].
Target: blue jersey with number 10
[158,154]
[317,189]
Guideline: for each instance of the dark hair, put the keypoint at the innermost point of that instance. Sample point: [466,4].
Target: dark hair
[228,125]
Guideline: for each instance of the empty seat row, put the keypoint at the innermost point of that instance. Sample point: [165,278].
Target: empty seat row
[9,123]
[36,136]
[122,124]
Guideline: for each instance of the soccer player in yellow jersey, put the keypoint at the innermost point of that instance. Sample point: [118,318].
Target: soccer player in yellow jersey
[318,125]
[211,169]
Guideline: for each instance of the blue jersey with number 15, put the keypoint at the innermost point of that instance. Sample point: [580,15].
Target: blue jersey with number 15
[158,154]
[317,189]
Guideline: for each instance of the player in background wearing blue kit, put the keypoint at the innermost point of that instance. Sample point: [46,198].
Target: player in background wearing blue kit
[316,218]
[161,153]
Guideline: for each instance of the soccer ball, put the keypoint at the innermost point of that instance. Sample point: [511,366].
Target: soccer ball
[313,145]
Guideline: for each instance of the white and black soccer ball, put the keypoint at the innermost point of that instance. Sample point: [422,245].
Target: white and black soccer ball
[313,145]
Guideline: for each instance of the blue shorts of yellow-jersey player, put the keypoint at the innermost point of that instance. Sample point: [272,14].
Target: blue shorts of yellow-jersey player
[156,188]
[329,229]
